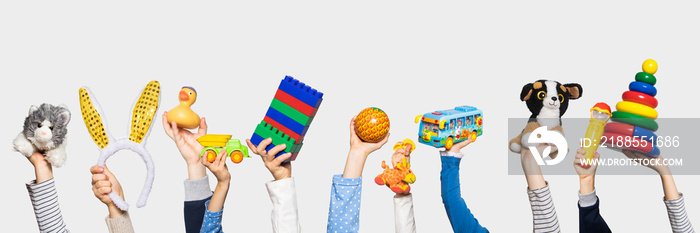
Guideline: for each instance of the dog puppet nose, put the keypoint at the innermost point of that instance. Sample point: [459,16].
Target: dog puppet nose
[554,98]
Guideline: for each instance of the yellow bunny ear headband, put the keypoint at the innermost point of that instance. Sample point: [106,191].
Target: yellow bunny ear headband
[141,121]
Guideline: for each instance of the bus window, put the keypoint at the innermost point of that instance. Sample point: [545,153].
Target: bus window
[460,123]
[430,127]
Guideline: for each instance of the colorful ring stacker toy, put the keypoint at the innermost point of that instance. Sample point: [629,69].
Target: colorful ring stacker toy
[635,108]
[636,120]
[640,98]
[631,130]
[645,78]
[643,88]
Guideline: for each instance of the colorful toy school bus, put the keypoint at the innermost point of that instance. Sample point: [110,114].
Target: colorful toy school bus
[446,127]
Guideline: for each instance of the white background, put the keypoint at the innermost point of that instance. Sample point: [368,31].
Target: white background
[407,58]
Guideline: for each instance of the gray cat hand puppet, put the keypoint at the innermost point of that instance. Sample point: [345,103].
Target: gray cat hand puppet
[45,132]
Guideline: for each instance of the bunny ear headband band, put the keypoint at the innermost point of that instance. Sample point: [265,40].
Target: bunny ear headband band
[141,121]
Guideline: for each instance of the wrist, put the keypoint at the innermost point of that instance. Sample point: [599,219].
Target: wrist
[283,177]
[223,185]
[222,182]
[354,164]
[358,154]
[43,173]
[114,211]
[662,170]
[587,184]
[196,171]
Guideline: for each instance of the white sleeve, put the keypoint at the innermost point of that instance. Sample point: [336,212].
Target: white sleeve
[285,217]
[403,214]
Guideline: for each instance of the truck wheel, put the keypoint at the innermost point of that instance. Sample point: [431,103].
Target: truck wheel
[236,156]
[211,155]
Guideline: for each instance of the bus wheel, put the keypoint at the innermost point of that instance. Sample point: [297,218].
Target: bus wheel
[448,143]
[236,156]
[211,155]
[473,136]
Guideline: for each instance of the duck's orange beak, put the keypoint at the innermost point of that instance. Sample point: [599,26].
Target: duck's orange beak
[184,96]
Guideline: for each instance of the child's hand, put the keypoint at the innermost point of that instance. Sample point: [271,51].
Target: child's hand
[42,168]
[365,148]
[38,160]
[585,170]
[218,167]
[400,154]
[185,140]
[278,168]
[359,151]
[103,183]
[657,165]
[457,147]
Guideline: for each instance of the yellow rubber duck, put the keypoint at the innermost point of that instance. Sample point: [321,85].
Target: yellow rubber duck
[182,114]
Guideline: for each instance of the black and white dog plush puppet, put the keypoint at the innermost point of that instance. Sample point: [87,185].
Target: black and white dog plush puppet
[547,101]
[45,131]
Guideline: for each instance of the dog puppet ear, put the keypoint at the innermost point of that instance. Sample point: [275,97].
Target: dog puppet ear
[526,92]
[575,90]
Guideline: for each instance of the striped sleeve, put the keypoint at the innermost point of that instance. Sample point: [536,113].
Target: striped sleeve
[677,215]
[46,209]
[544,215]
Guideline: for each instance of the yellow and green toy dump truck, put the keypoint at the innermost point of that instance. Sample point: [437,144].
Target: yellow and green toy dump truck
[214,143]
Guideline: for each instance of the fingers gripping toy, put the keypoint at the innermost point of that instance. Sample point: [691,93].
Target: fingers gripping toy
[547,101]
[600,114]
[446,127]
[636,114]
[215,143]
[399,177]
[44,131]
[141,121]
[182,114]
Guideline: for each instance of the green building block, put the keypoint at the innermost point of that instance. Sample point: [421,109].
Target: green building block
[290,112]
[265,130]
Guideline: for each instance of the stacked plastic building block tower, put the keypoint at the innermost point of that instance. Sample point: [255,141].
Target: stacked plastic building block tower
[635,119]
[288,118]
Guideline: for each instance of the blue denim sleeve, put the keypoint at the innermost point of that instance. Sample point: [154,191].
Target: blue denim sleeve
[344,210]
[458,213]
[212,221]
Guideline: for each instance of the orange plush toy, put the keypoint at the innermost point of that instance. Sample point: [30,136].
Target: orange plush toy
[399,177]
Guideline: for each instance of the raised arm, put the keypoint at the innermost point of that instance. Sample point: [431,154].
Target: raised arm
[544,214]
[675,203]
[282,190]
[42,192]
[346,190]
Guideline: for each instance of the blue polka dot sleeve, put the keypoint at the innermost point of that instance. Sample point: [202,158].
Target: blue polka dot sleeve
[212,221]
[344,210]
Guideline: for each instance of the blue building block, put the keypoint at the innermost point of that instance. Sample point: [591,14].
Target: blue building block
[301,91]
[286,121]
[256,139]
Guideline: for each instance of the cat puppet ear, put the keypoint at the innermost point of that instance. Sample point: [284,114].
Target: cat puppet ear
[33,109]
[144,112]
[93,117]
[64,114]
